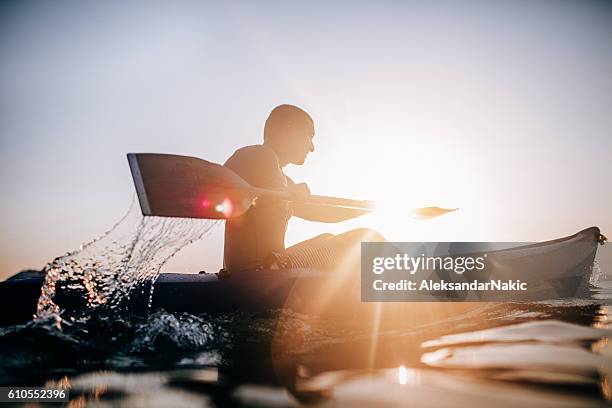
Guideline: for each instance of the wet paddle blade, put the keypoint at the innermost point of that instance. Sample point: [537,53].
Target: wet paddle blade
[430,212]
[187,187]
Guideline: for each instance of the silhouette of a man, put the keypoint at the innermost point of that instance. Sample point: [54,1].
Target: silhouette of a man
[256,240]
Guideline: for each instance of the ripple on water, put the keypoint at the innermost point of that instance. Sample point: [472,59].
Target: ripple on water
[544,331]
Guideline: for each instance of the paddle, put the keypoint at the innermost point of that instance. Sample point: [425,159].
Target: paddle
[180,186]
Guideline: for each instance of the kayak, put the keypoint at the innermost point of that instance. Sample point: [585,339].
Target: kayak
[562,266]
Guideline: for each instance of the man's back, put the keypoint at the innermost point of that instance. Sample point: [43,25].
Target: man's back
[249,239]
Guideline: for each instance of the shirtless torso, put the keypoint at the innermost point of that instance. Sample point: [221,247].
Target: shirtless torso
[251,238]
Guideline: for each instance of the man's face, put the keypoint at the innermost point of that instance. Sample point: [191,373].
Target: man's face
[301,143]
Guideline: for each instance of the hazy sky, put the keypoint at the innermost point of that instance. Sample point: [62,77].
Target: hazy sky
[503,109]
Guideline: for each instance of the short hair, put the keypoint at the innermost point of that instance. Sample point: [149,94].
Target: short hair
[283,116]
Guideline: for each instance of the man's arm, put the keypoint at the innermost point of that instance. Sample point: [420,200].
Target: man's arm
[318,212]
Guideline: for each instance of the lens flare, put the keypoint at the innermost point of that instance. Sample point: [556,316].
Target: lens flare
[225,207]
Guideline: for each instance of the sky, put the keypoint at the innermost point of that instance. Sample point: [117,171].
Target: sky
[503,109]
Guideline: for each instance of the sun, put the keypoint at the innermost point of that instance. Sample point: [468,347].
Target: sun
[398,173]
[406,174]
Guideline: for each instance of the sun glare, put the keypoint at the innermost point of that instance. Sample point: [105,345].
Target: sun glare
[414,174]
[402,375]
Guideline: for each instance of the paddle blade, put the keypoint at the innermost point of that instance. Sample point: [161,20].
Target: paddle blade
[187,187]
[431,212]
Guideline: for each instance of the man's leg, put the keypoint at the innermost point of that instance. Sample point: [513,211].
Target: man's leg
[347,241]
[329,251]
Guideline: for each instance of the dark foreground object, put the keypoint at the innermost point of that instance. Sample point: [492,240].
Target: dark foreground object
[563,264]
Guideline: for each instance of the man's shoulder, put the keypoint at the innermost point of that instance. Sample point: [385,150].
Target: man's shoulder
[254,153]
[258,165]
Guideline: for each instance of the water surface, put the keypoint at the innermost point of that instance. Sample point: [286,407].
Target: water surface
[554,353]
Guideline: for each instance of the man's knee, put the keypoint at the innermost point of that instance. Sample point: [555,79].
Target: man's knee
[369,234]
[365,235]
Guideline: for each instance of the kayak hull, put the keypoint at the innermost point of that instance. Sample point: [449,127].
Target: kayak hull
[562,269]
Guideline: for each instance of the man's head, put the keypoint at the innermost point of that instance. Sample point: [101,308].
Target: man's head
[289,131]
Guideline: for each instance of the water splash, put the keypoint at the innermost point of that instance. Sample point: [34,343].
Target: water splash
[114,266]
[184,331]
[597,274]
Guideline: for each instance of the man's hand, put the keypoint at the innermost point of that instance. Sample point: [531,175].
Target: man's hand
[300,190]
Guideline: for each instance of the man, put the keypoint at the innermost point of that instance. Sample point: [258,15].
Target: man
[256,240]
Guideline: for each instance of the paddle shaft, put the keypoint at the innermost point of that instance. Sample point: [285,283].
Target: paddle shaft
[365,205]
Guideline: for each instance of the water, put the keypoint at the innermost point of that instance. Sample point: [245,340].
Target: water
[552,353]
